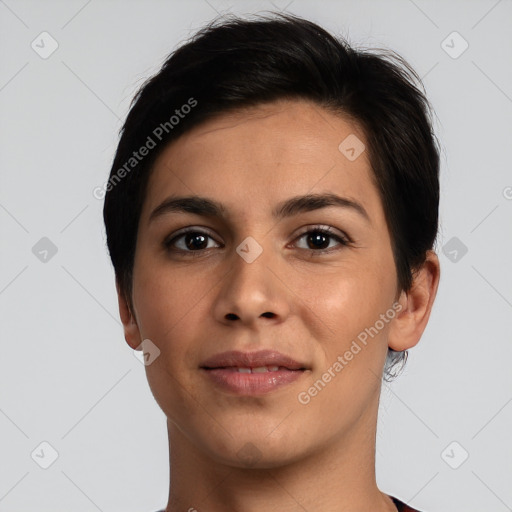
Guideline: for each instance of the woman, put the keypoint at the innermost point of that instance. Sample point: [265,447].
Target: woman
[270,214]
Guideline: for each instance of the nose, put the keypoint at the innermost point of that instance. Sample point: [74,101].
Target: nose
[252,292]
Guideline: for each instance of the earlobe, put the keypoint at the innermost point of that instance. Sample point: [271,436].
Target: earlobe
[130,327]
[408,326]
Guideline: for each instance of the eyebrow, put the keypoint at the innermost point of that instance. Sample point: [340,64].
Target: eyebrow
[299,204]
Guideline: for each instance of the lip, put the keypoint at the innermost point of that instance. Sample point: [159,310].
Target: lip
[222,370]
[236,358]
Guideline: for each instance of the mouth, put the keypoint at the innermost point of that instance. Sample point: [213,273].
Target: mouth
[252,373]
[251,381]
[259,369]
[255,362]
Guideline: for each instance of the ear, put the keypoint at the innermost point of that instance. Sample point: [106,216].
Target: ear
[408,326]
[131,329]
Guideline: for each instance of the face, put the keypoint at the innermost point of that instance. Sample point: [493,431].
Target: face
[265,271]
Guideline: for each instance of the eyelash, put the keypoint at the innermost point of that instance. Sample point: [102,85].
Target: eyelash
[342,240]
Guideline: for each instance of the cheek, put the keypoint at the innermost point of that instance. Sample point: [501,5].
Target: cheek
[166,303]
[168,309]
[354,345]
[348,301]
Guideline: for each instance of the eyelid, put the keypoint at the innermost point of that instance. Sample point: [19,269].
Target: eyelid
[326,229]
[189,229]
[193,229]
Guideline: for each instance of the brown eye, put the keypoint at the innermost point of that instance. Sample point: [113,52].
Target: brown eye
[320,240]
[189,241]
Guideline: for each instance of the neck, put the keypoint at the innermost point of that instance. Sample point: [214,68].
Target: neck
[339,477]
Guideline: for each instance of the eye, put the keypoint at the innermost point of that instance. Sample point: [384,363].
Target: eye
[319,238]
[190,240]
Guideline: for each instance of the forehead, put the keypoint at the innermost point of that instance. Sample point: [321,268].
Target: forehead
[265,153]
[292,128]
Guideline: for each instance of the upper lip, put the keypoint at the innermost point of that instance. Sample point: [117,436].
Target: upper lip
[252,360]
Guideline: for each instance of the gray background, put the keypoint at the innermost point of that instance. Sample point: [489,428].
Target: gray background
[68,378]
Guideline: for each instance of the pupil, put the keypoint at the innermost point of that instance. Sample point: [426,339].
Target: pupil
[318,238]
[192,238]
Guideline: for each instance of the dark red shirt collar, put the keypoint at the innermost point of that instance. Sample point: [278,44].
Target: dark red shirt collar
[402,507]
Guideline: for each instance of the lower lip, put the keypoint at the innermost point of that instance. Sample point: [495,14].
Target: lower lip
[239,383]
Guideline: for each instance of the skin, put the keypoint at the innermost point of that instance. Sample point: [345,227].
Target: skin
[314,456]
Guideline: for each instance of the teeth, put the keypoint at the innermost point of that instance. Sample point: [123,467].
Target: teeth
[261,369]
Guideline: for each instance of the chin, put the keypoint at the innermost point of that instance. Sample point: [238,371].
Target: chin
[255,449]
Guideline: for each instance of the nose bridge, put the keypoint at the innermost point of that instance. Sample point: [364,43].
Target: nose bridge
[251,289]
